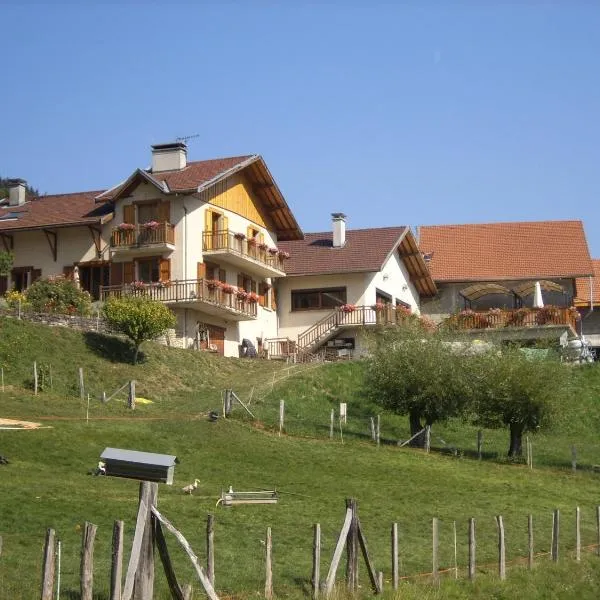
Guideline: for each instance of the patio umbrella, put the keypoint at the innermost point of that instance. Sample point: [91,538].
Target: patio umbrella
[538,301]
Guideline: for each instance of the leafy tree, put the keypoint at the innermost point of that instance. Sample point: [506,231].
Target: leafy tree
[60,295]
[418,374]
[519,392]
[139,318]
[6,262]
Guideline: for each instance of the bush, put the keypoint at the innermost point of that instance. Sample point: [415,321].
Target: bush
[13,297]
[58,295]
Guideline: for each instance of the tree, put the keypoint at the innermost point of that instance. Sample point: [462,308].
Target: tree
[417,373]
[519,392]
[6,262]
[139,318]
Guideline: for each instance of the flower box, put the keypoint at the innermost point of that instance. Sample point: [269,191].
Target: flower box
[252,297]
[347,308]
[283,254]
[378,307]
[239,236]
[125,227]
[241,295]
[227,289]
[273,251]
[262,246]
[151,225]
[213,284]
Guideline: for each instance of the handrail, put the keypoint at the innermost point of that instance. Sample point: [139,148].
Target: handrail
[140,235]
[237,243]
[182,291]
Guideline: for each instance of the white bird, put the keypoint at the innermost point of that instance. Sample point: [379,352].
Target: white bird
[188,489]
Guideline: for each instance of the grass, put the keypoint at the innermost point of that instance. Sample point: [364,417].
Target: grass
[46,483]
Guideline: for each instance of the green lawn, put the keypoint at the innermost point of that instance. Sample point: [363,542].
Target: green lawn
[46,483]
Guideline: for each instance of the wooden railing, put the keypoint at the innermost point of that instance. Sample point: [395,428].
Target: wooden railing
[530,317]
[238,244]
[142,236]
[189,290]
[279,347]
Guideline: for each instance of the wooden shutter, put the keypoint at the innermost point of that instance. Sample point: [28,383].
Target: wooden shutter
[201,270]
[262,292]
[222,276]
[68,271]
[164,269]
[128,272]
[273,299]
[116,273]
[129,214]
[240,281]
[224,223]
[164,212]
[35,275]
[253,286]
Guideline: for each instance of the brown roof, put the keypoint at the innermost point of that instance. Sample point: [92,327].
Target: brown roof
[582,287]
[57,210]
[505,251]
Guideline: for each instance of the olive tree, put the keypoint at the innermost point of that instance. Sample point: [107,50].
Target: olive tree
[139,318]
[417,373]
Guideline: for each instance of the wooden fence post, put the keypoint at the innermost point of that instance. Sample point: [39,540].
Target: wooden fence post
[372,429]
[598,530]
[530,541]
[472,549]
[187,591]
[501,549]
[268,566]
[48,566]
[210,548]
[281,415]
[455,551]
[131,396]
[378,430]
[116,567]
[352,548]
[0,545]
[87,561]
[435,564]
[144,576]
[316,571]
[81,386]
[577,534]
[428,438]
[395,575]
[58,567]
[35,378]
[380,580]
[331,424]
[479,444]
[555,533]
[2,373]
[528,451]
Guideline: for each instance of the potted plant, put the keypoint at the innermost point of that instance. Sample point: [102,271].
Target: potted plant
[151,225]
[252,297]
[378,307]
[138,286]
[262,246]
[283,254]
[273,251]
[125,227]
[227,289]
[213,284]
[239,236]
[242,295]
[347,308]
[516,318]
[547,315]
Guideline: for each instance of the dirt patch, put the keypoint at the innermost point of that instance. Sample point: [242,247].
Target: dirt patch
[14,424]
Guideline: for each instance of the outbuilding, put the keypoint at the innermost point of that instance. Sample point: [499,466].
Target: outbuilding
[134,464]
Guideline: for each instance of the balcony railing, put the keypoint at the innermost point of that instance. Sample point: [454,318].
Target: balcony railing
[521,317]
[140,235]
[239,245]
[182,292]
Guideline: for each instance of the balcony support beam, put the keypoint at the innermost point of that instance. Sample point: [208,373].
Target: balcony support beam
[96,234]
[52,238]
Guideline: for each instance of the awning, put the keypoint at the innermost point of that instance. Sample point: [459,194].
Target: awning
[478,290]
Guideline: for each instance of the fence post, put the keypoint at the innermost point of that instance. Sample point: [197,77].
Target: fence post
[352,548]
[372,429]
[2,373]
[530,541]
[455,552]
[116,568]
[81,387]
[281,415]
[87,561]
[210,548]
[501,549]
[331,424]
[395,556]
[316,572]
[48,566]
[555,534]
[435,565]
[144,576]
[428,438]
[58,557]
[598,529]
[35,378]
[577,534]
[131,396]
[378,430]
[268,566]
[472,548]
[479,444]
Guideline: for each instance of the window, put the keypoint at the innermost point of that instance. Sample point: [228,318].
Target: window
[382,297]
[148,270]
[147,213]
[318,299]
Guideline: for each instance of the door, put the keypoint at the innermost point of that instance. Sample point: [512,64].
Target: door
[216,339]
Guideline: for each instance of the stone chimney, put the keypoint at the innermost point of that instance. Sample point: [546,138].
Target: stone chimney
[169,157]
[16,192]
[339,229]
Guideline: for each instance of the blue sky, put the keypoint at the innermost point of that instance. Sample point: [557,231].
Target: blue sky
[420,113]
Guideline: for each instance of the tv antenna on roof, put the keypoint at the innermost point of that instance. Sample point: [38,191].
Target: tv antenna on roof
[185,138]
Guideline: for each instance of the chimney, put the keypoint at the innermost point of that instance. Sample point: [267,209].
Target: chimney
[339,230]
[169,157]
[16,192]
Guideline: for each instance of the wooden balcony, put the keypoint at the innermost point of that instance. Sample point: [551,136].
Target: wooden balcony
[142,238]
[522,318]
[198,294]
[245,254]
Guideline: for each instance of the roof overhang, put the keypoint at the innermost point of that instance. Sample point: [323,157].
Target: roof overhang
[519,278]
[415,264]
[101,221]
[124,189]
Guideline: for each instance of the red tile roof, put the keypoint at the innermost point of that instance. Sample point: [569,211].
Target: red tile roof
[505,251]
[198,172]
[582,287]
[365,250]
[57,210]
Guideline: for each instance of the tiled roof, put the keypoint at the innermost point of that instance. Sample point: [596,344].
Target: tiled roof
[198,172]
[505,251]
[365,250]
[582,287]
[57,210]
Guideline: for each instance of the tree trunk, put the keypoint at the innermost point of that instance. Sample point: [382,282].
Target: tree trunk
[136,351]
[414,419]
[516,435]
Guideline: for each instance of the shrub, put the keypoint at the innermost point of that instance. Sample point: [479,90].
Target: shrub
[58,295]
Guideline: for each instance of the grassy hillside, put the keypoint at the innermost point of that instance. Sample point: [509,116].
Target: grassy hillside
[46,483]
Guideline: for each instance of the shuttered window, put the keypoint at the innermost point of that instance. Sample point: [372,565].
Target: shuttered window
[129,214]
[128,272]
[164,212]
[165,269]
[116,273]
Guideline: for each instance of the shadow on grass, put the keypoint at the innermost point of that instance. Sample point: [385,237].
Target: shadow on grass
[76,595]
[111,348]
